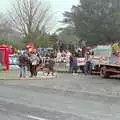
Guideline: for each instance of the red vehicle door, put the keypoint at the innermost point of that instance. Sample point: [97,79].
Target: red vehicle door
[4,57]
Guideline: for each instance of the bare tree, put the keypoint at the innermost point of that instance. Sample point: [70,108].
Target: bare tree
[29,16]
[5,27]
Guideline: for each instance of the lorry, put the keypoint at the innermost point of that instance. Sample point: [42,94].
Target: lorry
[104,62]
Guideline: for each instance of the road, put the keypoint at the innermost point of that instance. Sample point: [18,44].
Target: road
[66,97]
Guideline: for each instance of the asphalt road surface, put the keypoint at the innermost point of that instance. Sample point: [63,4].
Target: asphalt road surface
[66,97]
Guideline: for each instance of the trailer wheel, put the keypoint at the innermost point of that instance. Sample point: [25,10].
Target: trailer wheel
[103,72]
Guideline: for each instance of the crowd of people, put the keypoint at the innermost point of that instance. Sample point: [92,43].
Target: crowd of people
[35,61]
[32,62]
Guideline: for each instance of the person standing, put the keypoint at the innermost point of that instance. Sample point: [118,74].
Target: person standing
[51,66]
[79,54]
[74,64]
[33,64]
[23,63]
[89,65]
[70,63]
[59,56]
[83,46]
[47,61]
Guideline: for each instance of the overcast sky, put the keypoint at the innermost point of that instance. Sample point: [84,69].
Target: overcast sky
[58,7]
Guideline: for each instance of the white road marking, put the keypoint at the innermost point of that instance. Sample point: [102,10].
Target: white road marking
[28,116]
[3,109]
[35,117]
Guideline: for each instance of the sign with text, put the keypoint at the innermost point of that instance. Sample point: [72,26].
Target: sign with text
[81,61]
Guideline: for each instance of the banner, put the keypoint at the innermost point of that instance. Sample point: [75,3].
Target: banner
[81,61]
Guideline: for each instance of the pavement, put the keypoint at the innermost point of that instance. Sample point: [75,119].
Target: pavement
[66,97]
[10,75]
[13,74]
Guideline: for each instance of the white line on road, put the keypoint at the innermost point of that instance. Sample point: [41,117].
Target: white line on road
[35,118]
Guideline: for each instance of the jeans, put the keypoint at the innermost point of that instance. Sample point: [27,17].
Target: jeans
[70,68]
[74,69]
[33,70]
[23,71]
[88,67]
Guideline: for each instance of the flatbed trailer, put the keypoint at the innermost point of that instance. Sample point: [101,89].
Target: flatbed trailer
[107,70]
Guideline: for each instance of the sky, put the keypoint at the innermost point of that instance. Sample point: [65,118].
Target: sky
[57,6]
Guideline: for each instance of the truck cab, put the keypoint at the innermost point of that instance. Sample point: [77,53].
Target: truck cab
[102,54]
